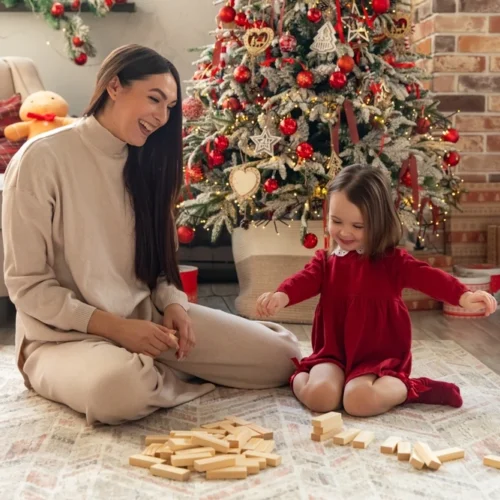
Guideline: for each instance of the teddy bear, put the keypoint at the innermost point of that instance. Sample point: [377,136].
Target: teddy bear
[40,112]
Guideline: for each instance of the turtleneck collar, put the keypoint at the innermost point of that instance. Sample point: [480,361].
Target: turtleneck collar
[101,138]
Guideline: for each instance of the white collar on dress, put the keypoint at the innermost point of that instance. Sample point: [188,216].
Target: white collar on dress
[339,252]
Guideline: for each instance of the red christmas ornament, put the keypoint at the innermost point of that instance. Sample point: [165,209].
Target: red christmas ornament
[305,151]
[77,41]
[221,143]
[260,24]
[406,179]
[192,108]
[57,9]
[185,234]
[451,135]
[232,103]
[337,80]
[288,43]
[195,174]
[346,64]
[110,3]
[288,126]
[242,74]
[81,59]
[314,15]
[381,6]
[305,79]
[423,125]
[215,158]
[227,14]
[390,58]
[452,158]
[76,4]
[310,241]
[241,19]
[271,185]
[260,100]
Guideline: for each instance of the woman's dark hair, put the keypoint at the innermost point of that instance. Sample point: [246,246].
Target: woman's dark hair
[153,172]
[369,189]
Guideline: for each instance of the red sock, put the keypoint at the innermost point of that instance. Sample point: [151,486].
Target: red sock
[433,392]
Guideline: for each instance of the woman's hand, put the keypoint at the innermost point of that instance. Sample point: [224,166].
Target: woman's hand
[145,337]
[176,318]
[269,304]
[475,301]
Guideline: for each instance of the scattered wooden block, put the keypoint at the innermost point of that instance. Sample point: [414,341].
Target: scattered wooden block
[271,459]
[492,461]
[390,445]
[327,419]
[363,439]
[220,462]
[328,435]
[236,420]
[328,427]
[176,444]
[211,442]
[215,425]
[252,464]
[228,473]
[215,432]
[416,461]
[169,472]
[449,454]
[234,451]
[203,449]
[188,459]
[404,451]
[262,431]
[241,439]
[157,438]
[427,455]
[150,451]
[266,446]
[181,434]
[252,444]
[346,437]
[228,427]
[144,461]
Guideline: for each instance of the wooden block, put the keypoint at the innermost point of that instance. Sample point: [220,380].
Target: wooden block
[215,425]
[252,444]
[203,449]
[427,455]
[390,445]
[220,462]
[271,458]
[164,452]
[449,454]
[492,461]
[228,473]
[416,461]
[215,432]
[176,444]
[211,442]
[169,472]
[240,440]
[262,431]
[327,435]
[150,451]
[404,451]
[346,437]
[144,461]
[328,419]
[237,420]
[228,427]
[328,427]
[188,459]
[266,446]
[252,465]
[234,451]
[158,438]
[363,439]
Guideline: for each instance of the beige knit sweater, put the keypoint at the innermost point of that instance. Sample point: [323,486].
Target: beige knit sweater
[68,233]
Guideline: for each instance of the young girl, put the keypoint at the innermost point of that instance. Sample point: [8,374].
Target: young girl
[362,331]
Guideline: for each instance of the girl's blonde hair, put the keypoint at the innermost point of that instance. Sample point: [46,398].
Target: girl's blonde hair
[369,189]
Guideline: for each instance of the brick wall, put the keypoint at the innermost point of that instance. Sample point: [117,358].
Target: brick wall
[463,36]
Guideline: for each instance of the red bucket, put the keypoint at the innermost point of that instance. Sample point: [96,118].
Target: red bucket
[189,278]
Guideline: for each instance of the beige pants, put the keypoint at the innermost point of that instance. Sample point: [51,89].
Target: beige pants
[111,385]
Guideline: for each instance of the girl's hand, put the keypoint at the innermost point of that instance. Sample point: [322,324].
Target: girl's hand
[475,301]
[269,304]
[175,317]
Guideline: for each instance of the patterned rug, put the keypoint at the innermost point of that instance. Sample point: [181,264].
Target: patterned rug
[47,451]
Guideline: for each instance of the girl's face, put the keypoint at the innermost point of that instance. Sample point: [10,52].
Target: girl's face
[139,109]
[345,223]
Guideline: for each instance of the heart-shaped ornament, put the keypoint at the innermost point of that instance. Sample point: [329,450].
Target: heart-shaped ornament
[257,40]
[244,181]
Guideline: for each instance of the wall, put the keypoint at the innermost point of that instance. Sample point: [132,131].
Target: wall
[165,25]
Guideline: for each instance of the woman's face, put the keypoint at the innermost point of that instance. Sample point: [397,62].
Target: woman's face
[141,107]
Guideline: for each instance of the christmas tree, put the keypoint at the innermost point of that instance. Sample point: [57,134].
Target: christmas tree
[290,92]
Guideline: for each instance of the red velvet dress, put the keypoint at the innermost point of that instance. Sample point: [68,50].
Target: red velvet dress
[361,323]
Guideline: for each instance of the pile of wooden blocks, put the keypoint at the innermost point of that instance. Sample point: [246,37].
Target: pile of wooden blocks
[229,449]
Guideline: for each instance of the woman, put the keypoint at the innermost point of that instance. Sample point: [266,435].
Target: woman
[90,260]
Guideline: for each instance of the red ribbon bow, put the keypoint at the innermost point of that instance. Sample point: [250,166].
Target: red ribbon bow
[48,117]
